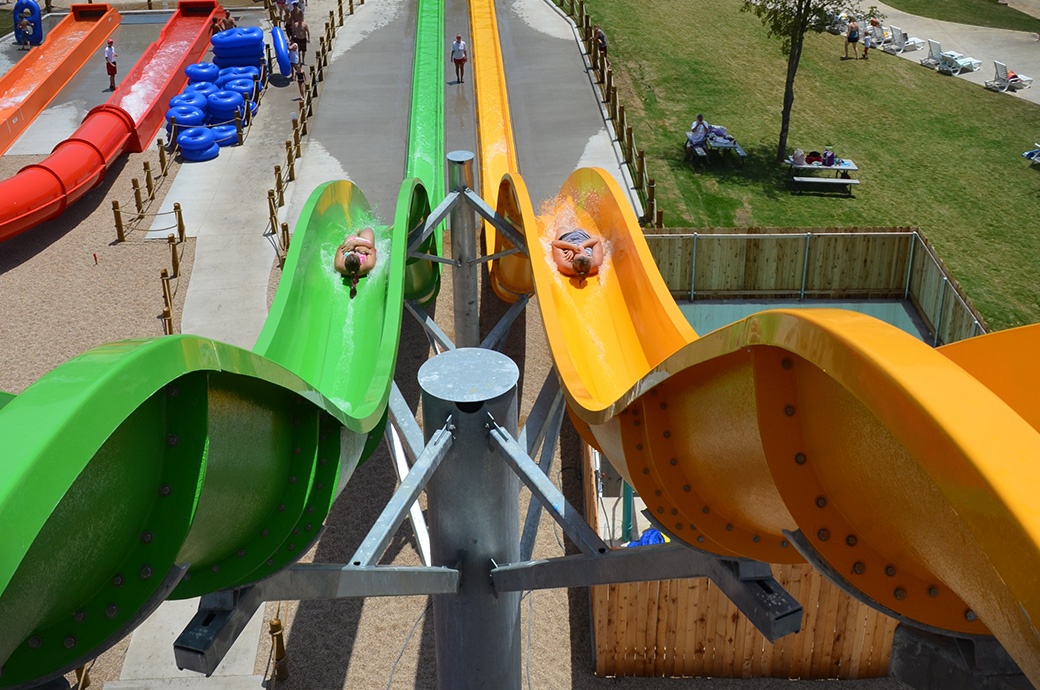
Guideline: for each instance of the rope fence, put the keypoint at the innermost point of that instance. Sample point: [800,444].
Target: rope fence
[286,173]
[283,174]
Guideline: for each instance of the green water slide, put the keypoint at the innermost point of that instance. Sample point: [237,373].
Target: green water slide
[424,176]
[176,466]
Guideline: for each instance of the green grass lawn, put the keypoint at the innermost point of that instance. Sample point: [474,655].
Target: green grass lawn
[934,152]
[975,12]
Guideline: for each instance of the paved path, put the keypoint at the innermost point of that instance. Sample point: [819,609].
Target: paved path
[1019,50]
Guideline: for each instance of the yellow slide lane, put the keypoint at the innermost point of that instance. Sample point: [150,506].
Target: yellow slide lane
[899,466]
[510,275]
[907,473]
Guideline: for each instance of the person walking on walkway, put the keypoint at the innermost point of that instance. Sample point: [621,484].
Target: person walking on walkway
[110,64]
[299,32]
[459,55]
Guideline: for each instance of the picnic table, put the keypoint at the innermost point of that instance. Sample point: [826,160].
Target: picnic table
[714,142]
[841,169]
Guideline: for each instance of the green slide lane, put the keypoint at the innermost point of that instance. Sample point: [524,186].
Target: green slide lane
[177,466]
[424,182]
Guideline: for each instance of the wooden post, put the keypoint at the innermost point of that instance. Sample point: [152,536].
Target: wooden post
[320,74]
[581,13]
[640,170]
[628,143]
[651,202]
[138,201]
[296,134]
[351,6]
[612,96]
[339,9]
[164,276]
[332,25]
[279,187]
[238,127]
[257,91]
[167,320]
[162,157]
[314,80]
[285,237]
[609,77]
[272,209]
[149,181]
[303,118]
[620,127]
[173,133]
[270,61]
[571,11]
[175,258]
[180,220]
[120,233]
[660,219]
[310,100]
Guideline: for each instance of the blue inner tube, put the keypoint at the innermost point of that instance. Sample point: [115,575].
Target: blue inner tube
[202,154]
[202,71]
[225,135]
[204,88]
[225,62]
[187,116]
[242,86]
[281,50]
[192,99]
[195,139]
[36,34]
[246,52]
[237,38]
[225,100]
[233,73]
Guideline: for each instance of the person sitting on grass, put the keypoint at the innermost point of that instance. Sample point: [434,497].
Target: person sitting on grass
[356,257]
[578,254]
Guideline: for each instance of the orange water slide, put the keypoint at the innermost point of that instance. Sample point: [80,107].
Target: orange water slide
[907,474]
[36,79]
[126,123]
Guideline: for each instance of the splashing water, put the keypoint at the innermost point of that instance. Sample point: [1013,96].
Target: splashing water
[154,76]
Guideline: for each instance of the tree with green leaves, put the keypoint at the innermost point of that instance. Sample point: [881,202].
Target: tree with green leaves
[790,21]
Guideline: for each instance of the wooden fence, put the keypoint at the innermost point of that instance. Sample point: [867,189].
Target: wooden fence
[831,263]
[689,628]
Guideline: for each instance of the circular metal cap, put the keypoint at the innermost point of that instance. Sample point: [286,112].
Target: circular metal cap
[468,375]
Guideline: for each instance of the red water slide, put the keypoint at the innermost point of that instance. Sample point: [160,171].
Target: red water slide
[126,123]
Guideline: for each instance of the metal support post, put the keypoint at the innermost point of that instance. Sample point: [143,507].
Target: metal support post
[463,224]
[473,507]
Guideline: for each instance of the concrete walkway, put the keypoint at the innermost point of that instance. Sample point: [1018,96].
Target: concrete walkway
[1019,50]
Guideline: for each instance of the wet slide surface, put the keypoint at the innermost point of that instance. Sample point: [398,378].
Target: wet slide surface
[905,473]
[28,87]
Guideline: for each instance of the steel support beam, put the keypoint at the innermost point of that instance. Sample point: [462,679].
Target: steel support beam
[500,223]
[439,340]
[465,277]
[389,521]
[501,330]
[542,488]
[473,504]
[436,217]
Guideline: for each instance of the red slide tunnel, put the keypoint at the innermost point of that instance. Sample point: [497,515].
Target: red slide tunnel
[44,190]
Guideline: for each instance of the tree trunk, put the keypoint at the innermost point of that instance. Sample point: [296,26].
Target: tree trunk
[797,38]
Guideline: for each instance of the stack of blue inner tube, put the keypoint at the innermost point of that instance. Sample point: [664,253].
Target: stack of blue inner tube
[238,47]
[222,107]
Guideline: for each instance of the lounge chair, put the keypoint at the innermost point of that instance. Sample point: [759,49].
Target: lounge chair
[902,43]
[1005,79]
[934,56]
[955,63]
[879,36]
[1033,155]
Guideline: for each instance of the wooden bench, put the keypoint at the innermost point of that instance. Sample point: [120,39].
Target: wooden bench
[840,181]
[698,151]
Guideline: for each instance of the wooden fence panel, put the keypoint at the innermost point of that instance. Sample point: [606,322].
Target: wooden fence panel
[689,628]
